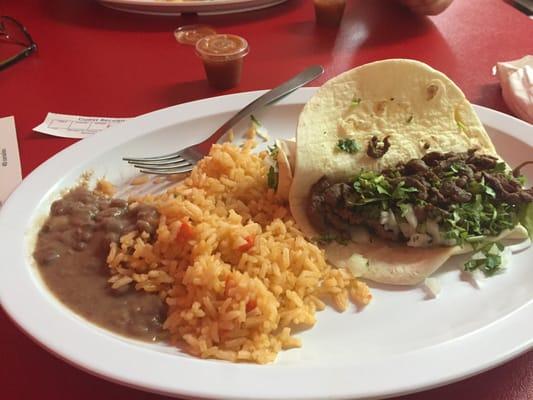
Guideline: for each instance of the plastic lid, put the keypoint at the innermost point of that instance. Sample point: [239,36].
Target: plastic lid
[222,47]
[190,34]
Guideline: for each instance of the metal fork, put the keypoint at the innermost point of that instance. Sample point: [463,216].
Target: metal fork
[184,160]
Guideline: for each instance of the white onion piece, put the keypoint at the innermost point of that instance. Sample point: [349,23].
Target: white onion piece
[432,286]
[432,228]
[505,256]
[478,276]
[383,217]
[410,216]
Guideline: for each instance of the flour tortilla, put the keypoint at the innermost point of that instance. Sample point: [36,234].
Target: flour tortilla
[285,162]
[420,110]
[397,264]
[388,262]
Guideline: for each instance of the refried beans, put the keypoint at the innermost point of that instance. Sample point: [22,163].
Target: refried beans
[71,252]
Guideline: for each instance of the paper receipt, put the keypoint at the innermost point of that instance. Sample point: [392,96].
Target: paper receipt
[10,171]
[75,126]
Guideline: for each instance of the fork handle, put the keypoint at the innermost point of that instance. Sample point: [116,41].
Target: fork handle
[306,76]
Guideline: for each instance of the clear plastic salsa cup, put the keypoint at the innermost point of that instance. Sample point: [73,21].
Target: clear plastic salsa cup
[223,56]
[329,12]
[190,34]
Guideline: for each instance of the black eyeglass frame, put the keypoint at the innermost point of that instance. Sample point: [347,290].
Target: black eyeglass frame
[29,49]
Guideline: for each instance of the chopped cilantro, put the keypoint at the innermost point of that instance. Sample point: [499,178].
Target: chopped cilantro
[404,209]
[272,178]
[348,146]
[488,259]
[481,188]
[273,152]
[479,217]
[382,190]
[461,126]
[455,167]
[500,167]
[490,192]
[255,120]
[356,101]
[401,192]
[462,222]
[409,120]
[372,187]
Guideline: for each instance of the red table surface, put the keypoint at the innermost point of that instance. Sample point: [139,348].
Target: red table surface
[100,62]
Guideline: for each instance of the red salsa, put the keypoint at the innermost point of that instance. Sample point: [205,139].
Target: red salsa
[222,55]
[190,34]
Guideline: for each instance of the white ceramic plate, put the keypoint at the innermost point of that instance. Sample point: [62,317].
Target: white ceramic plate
[175,7]
[400,343]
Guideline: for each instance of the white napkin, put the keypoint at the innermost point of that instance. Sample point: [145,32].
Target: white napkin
[75,126]
[10,173]
[516,79]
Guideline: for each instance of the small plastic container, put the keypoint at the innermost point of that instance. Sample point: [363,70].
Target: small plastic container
[329,12]
[223,56]
[190,34]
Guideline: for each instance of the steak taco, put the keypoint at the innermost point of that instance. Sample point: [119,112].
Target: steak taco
[394,173]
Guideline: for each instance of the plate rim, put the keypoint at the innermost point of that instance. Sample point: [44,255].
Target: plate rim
[155,7]
[39,180]
[171,4]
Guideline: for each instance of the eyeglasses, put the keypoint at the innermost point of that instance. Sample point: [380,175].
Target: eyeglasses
[13,32]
